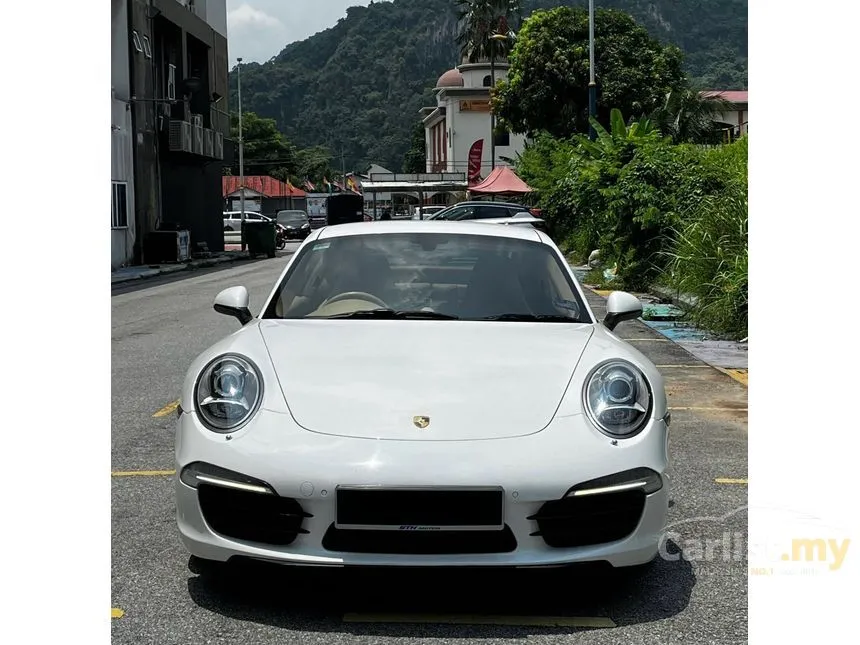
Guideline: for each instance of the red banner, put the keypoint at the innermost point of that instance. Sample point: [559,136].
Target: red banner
[475,153]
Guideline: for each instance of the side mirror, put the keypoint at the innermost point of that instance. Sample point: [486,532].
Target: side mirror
[621,306]
[234,302]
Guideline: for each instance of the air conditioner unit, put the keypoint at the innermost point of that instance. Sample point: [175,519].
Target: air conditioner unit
[179,136]
[197,139]
[208,142]
[197,120]
[219,145]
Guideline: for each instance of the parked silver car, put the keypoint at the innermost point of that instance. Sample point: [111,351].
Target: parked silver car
[233,219]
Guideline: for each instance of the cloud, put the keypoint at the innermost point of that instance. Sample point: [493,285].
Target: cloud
[247,17]
[257,30]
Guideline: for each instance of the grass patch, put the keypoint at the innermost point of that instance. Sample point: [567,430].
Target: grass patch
[709,260]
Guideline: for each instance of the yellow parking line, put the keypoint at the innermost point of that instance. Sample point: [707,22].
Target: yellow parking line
[696,365]
[602,292]
[459,619]
[728,480]
[142,473]
[115,612]
[741,376]
[170,408]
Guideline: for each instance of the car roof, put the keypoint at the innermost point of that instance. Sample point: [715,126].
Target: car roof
[480,203]
[383,227]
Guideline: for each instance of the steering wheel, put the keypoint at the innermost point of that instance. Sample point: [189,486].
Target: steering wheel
[355,295]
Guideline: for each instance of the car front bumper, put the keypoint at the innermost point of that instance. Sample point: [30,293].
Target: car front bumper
[532,470]
[297,234]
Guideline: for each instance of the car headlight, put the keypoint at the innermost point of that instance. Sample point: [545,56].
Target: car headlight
[306,225]
[228,393]
[617,399]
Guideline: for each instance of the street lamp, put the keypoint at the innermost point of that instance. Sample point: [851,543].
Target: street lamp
[493,39]
[592,85]
[241,157]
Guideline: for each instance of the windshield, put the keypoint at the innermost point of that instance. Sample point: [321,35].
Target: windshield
[428,275]
[286,217]
[440,214]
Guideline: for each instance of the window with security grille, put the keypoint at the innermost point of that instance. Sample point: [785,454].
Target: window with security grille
[119,205]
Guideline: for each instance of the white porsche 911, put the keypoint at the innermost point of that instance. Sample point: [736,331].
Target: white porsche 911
[423,394]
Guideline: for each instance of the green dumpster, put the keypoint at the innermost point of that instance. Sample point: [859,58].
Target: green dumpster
[260,237]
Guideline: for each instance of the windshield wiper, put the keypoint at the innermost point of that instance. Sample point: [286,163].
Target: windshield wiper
[392,314]
[532,318]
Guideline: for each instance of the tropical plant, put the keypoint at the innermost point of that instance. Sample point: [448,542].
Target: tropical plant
[415,160]
[621,139]
[479,21]
[709,253]
[710,259]
[265,148]
[689,116]
[547,82]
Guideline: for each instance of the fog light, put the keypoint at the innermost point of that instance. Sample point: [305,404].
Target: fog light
[200,472]
[644,479]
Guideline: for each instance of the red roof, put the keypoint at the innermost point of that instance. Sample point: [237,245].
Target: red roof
[501,181]
[268,186]
[732,96]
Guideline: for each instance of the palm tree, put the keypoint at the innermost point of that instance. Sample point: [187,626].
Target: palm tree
[481,19]
[689,116]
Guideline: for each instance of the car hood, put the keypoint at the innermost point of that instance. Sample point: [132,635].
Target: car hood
[470,380]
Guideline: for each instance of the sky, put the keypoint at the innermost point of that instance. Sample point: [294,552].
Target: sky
[259,29]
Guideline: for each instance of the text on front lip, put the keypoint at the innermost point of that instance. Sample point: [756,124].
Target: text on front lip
[411,527]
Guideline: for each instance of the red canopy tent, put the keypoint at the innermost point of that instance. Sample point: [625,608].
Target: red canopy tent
[501,181]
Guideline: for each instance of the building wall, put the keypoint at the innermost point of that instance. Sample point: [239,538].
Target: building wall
[737,118]
[147,190]
[187,192]
[215,14]
[122,167]
[466,127]
[467,119]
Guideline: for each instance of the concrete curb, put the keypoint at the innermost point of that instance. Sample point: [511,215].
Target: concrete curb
[684,301]
[177,268]
[740,375]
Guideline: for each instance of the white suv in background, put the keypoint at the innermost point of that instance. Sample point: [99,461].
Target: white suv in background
[424,212]
[233,219]
[491,213]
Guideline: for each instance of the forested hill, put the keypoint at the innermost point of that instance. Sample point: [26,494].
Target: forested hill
[358,86]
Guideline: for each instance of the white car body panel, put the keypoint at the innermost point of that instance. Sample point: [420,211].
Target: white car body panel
[505,405]
[469,376]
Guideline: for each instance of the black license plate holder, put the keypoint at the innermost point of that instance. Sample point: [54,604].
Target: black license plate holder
[419,509]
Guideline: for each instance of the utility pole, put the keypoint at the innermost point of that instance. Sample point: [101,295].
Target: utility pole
[241,155]
[492,114]
[592,85]
[493,40]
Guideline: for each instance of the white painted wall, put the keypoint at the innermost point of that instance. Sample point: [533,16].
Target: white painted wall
[467,127]
[732,117]
[464,128]
[122,169]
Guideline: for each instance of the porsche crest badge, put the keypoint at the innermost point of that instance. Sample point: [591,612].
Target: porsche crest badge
[421,422]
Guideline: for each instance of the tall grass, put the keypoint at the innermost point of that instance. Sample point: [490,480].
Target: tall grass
[709,259]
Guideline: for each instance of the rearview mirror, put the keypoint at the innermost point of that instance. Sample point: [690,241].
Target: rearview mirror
[234,302]
[621,306]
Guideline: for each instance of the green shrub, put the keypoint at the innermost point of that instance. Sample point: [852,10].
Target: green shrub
[709,252]
[663,212]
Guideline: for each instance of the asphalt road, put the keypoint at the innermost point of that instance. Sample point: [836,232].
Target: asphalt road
[160,326]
